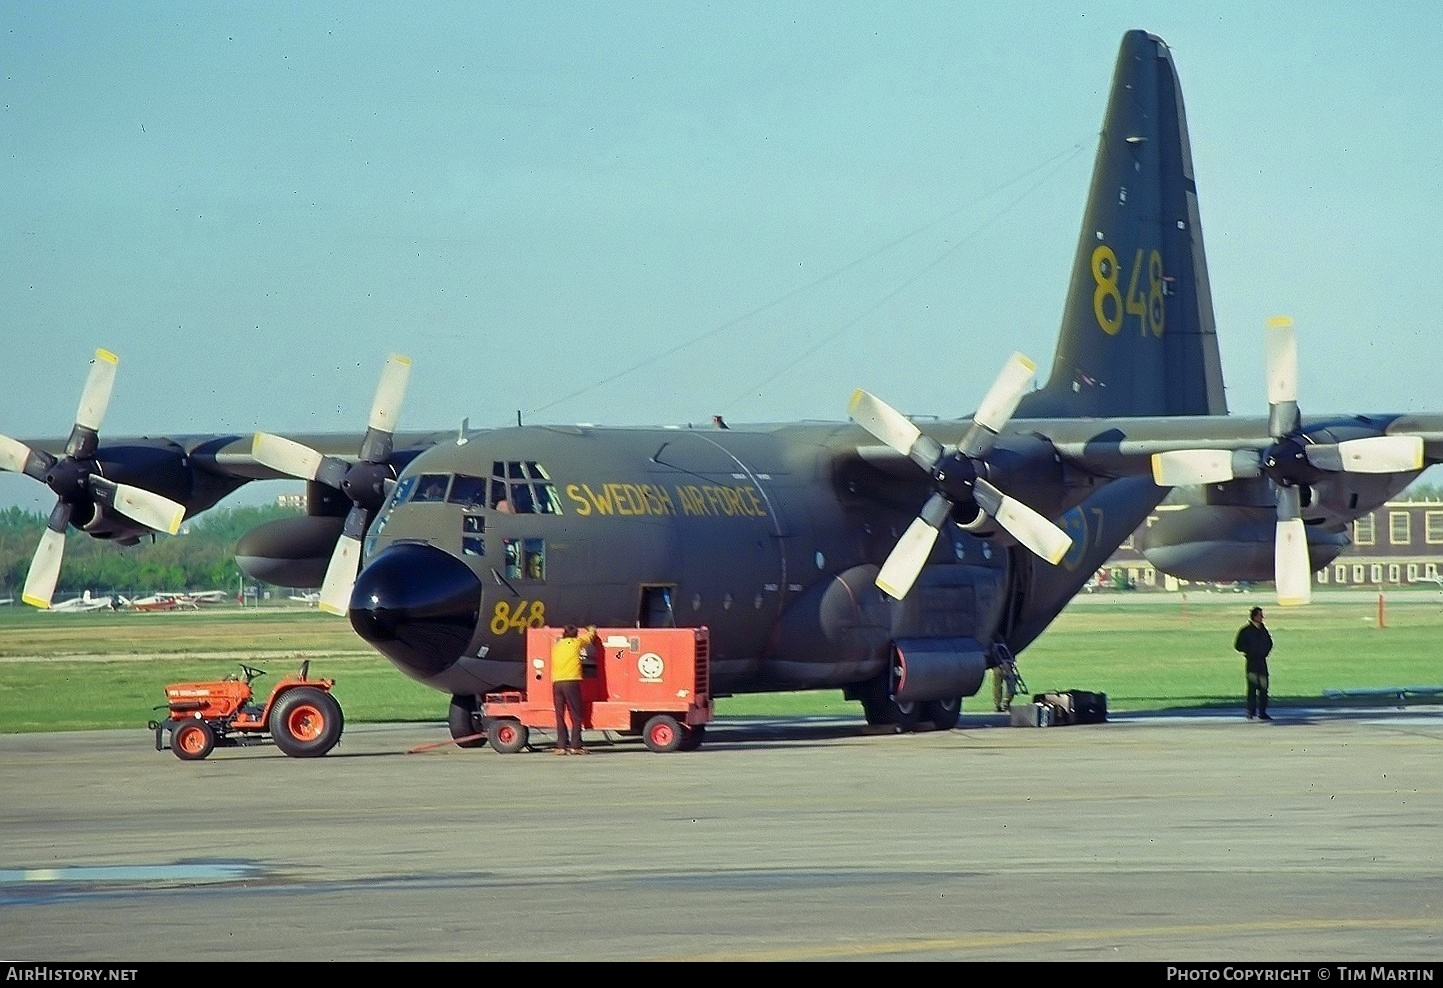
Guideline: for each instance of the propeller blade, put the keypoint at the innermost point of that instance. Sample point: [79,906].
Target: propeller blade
[907,558]
[390,392]
[1289,501]
[997,406]
[1040,536]
[1282,371]
[1006,392]
[340,575]
[286,456]
[883,421]
[150,509]
[45,566]
[13,455]
[1377,454]
[1187,467]
[95,399]
[1292,572]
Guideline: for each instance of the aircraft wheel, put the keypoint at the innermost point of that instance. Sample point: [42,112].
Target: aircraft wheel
[464,720]
[692,737]
[508,736]
[881,708]
[306,722]
[192,741]
[662,733]
[943,713]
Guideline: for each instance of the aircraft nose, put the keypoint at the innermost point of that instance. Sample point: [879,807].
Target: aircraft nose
[417,605]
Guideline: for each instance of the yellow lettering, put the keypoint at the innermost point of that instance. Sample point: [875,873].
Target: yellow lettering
[733,501]
[690,500]
[603,504]
[756,504]
[638,499]
[583,506]
[628,500]
[621,497]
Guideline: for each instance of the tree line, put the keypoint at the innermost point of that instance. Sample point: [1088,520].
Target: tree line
[200,557]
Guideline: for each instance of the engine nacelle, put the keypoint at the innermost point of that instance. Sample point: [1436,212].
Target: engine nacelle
[1210,542]
[289,552]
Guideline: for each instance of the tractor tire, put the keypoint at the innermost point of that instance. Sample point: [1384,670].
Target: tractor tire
[507,736]
[692,737]
[662,733]
[464,720]
[306,722]
[192,741]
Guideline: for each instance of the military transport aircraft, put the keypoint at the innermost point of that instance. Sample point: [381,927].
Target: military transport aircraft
[894,563]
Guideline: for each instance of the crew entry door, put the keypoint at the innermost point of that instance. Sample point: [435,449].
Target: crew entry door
[656,608]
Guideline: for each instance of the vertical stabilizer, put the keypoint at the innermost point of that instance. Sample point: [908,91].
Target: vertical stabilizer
[1138,337]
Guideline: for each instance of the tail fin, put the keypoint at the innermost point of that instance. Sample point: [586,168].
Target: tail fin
[1138,336]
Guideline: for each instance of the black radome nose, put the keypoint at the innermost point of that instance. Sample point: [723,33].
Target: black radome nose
[418,606]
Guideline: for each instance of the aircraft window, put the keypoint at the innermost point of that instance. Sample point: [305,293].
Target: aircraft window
[525,559]
[547,502]
[402,493]
[470,491]
[473,524]
[512,493]
[521,501]
[432,487]
[534,553]
[473,545]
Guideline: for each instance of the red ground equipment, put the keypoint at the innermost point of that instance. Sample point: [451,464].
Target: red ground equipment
[300,716]
[651,682]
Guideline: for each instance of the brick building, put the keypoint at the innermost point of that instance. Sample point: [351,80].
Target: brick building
[1398,544]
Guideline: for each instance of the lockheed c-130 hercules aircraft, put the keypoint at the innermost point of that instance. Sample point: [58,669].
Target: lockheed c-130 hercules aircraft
[892,562]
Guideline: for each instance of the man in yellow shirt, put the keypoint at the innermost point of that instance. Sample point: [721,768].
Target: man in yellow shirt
[566,687]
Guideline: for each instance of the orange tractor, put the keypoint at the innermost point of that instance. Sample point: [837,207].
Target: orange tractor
[300,716]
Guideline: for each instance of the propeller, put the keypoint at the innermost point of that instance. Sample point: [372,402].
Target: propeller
[366,482]
[960,476]
[1292,462]
[78,484]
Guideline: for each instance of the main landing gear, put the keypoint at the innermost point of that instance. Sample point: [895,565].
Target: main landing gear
[883,709]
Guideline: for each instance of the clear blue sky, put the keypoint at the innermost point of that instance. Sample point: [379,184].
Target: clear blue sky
[254,203]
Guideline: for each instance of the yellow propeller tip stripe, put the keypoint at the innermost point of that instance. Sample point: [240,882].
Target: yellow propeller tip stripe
[1280,322]
[107,356]
[39,602]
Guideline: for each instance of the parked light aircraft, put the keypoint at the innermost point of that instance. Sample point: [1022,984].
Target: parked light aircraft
[85,602]
[893,562]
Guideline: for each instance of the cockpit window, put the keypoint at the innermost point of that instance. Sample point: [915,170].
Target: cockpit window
[431,487]
[470,491]
[523,487]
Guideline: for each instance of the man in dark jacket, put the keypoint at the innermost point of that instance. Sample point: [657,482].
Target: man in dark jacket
[1255,643]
